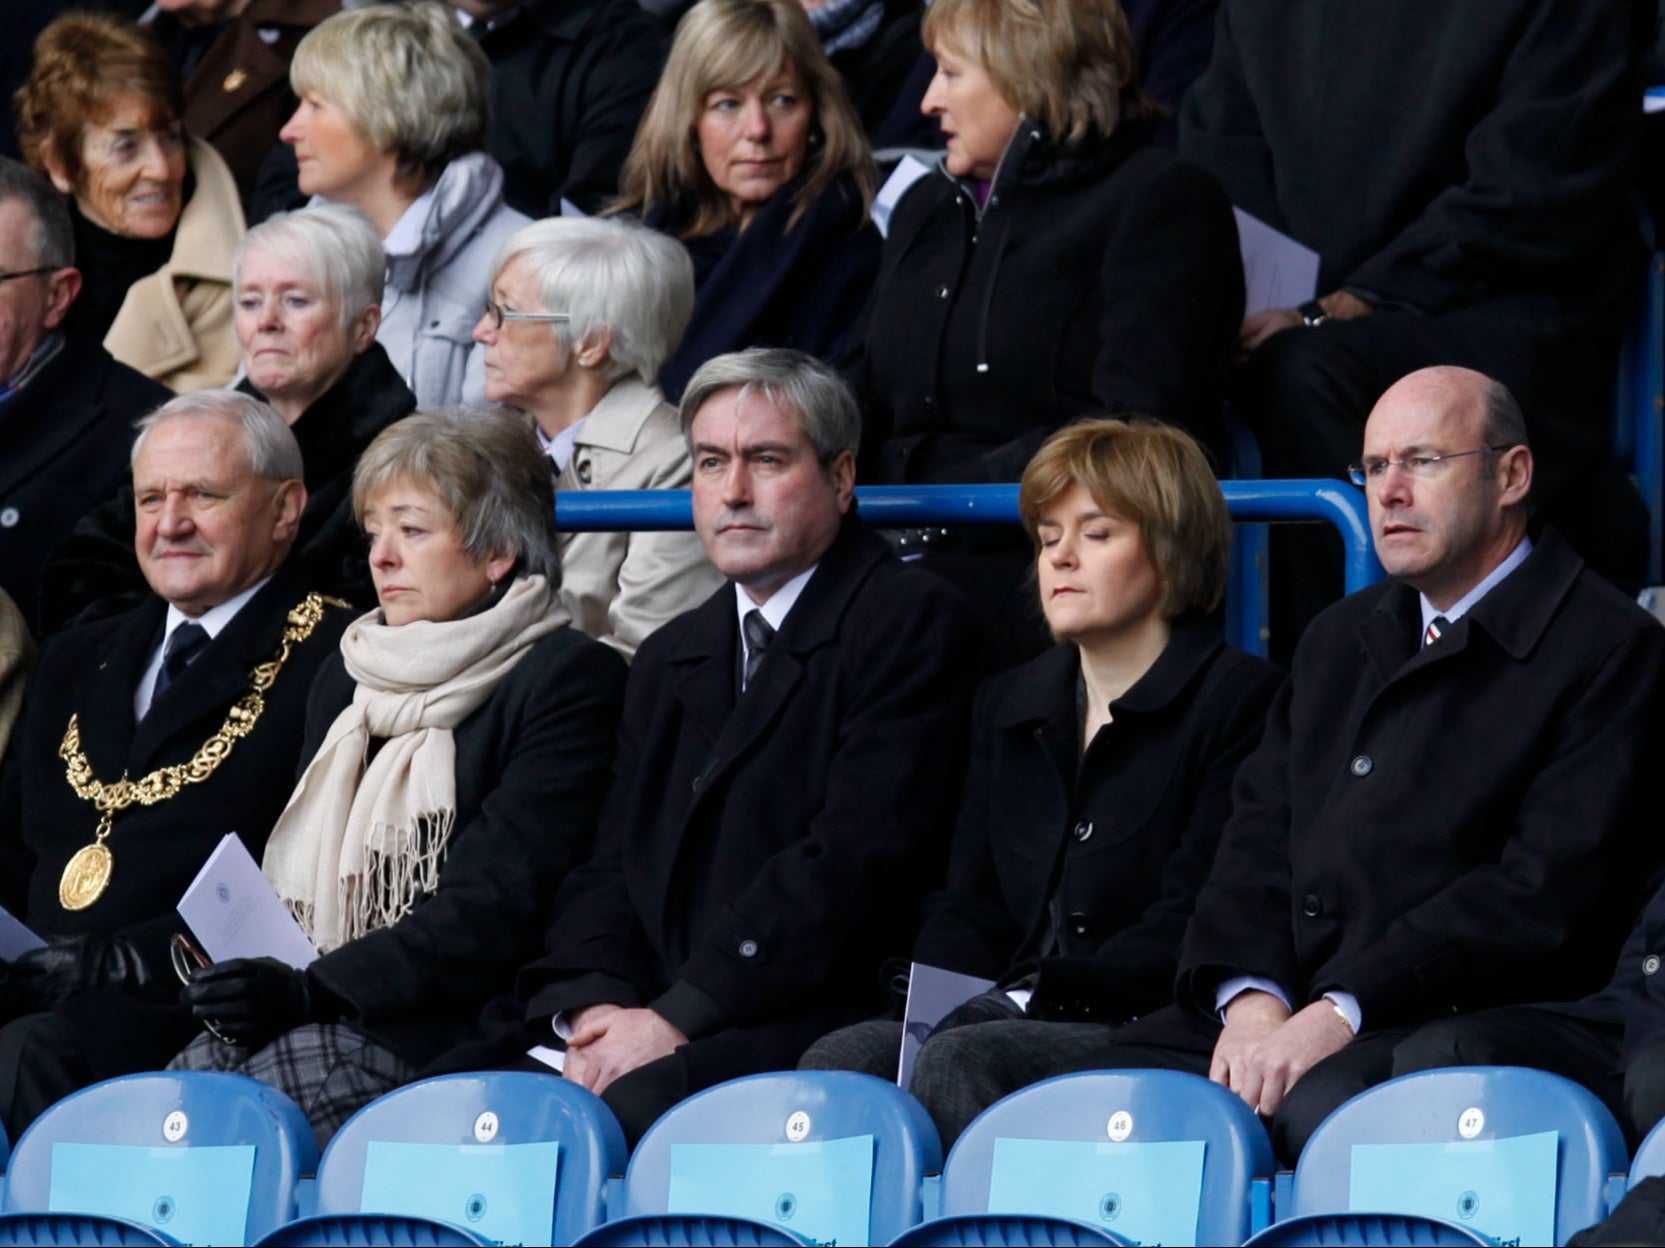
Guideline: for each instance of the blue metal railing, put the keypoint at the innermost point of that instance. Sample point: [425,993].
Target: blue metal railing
[907,506]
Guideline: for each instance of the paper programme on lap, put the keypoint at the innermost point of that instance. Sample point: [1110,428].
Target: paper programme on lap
[233,911]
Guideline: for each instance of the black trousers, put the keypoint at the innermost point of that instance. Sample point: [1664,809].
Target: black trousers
[1307,393]
[88,1038]
[1177,1039]
[1543,1037]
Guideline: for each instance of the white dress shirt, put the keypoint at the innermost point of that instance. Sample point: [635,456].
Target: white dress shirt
[213,622]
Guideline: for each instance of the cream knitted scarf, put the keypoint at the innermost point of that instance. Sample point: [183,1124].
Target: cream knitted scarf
[357,847]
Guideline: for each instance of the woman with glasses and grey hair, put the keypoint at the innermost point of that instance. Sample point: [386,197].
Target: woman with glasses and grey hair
[582,314]
[460,745]
[306,293]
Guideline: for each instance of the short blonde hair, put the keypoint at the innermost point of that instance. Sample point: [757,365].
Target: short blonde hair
[407,77]
[1069,64]
[333,245]
[1154,475]
[723,44]
[485,465]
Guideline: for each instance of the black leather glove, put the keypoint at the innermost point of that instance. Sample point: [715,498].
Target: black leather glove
[250,1001]
[66,965]
[986,1007]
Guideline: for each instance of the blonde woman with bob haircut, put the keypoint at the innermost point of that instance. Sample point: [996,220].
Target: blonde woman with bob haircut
[1100,776]
[1058,263]
[394,112]
[460,745]
[581,316]
[751,154]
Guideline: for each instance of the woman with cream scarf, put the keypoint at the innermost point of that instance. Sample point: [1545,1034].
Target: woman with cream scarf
[464,737]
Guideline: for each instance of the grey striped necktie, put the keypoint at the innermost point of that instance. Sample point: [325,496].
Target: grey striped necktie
[759,633]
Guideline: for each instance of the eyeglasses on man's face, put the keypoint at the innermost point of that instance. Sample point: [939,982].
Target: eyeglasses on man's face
[496,313]
[1370,471]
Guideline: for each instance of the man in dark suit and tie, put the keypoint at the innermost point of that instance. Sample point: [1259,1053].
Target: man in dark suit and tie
[789,761]
[148,736]
[1454,803]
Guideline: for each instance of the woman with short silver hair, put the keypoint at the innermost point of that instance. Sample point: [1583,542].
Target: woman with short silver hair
[461,743]
[395,109]
[306,296]
[582,314]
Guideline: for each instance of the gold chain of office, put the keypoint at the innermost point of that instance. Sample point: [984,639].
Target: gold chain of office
[87,874]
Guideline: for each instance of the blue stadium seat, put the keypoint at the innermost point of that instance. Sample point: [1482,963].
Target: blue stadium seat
[370,1230]
[196,1149]
[689,1230]
[1454,1110]
[1650,1157]
[1367,1230]
[781,1114]
[989,1230]
[77,1229]
[455,1122]
[1114,1111]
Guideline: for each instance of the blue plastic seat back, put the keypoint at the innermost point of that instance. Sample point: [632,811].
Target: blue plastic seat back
[485,1111]
[1125,1107]
[370,1230]
[1366,1229]
[1650,1157]
[1469,1103]
[181,1110]
[802,1107]
[989,1230]
[690,1230]
[77,1229]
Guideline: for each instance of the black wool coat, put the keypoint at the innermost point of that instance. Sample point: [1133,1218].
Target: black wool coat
[532,769]
[64,443]
[91,671]
[569,81]
[759,855]
[1439,830]
[778,283]
[94,571]
[1085,867]
[1099,280]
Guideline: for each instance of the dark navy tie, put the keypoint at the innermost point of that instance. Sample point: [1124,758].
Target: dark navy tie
[759,633]
[1436,630]
[184,644]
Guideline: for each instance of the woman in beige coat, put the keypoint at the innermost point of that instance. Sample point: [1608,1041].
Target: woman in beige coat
[581,315]
[156,214]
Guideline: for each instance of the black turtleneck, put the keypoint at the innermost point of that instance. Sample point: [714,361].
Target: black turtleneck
[109,264]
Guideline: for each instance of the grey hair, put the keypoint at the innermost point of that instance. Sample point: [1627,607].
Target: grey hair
[274,455]
[1505,425]
[611,274]
[792,381]
[485,465]
[407,77]
[334,245]
[52,240]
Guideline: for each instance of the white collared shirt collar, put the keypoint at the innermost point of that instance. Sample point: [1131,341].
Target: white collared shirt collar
[1492,580]
[213,621]
[775,610]
[560,447]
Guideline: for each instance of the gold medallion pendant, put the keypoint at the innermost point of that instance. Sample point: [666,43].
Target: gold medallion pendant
[87,874]
[85,877]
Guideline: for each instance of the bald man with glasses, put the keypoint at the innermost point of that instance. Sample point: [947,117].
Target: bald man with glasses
[1455,803]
